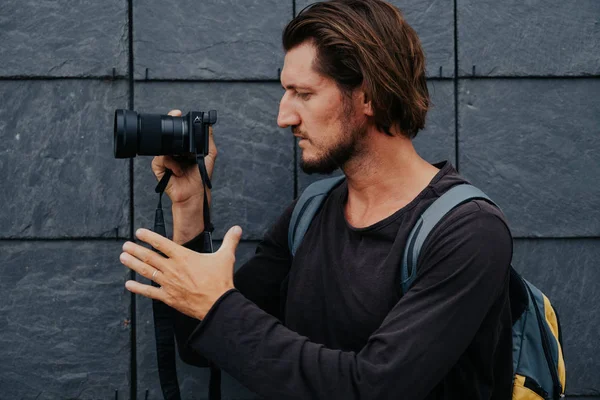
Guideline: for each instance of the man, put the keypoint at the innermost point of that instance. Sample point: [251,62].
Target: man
[330,323]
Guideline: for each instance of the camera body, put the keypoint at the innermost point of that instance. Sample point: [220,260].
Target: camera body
[155,134]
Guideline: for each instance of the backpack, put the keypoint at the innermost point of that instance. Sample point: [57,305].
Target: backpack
[538,363]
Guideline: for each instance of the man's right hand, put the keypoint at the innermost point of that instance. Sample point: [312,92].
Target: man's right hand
[185,190]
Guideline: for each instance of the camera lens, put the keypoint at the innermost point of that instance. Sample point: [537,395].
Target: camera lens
[149,134]
[125,138]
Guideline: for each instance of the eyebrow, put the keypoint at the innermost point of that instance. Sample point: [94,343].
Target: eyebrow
[295,87]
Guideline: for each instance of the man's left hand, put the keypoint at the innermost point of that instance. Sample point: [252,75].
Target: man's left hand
[189,282]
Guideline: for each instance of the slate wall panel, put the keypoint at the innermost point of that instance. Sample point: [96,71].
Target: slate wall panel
[253,177]
[193,381]
[211,39]
[60,38]
[64,318]
[434,23]
[434,143]
[533,146]
[57,160]
[566,270]
[525,38]
[567,397]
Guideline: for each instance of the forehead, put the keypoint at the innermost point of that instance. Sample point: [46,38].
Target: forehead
[297,67]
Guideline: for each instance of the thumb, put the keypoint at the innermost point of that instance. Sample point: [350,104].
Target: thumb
[231,240]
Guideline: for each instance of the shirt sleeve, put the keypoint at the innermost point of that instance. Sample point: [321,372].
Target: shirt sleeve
[260,280]
[463,273]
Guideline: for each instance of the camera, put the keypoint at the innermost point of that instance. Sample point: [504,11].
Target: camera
[154,134]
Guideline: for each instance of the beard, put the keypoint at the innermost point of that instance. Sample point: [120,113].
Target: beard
[347,148]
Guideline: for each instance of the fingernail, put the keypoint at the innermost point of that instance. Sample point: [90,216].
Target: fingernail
[237,230]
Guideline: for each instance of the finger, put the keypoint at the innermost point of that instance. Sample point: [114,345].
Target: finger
[175,113]
[158,166]
[212,151]
[161,163]
[146,290]
[174,166]
[141,268]
[231,240]
[147,256]
[160,243]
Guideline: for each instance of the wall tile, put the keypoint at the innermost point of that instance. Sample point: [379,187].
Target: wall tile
[60,38]
[525,38]
[211,39]
[532,146]
[57,160]
[64,318]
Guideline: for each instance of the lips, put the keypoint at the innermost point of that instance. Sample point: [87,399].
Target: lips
[295,131]
[298,135]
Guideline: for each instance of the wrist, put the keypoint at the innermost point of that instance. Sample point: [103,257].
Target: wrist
[212,301]
[188,221]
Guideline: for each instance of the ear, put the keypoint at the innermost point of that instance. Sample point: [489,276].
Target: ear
[366,104]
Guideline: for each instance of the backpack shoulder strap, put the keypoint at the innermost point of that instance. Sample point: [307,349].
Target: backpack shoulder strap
[305,209]
[454,197]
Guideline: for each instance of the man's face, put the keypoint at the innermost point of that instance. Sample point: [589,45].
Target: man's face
[329,128]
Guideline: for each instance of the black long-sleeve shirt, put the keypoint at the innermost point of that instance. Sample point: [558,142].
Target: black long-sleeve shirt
[330,323]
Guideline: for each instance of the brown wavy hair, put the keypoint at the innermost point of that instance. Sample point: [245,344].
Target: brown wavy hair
[368,43]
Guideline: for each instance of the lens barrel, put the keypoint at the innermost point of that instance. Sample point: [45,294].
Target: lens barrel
[150,134]
[125,137]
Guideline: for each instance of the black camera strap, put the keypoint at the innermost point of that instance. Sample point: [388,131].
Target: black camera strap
[163,314]
[208,227]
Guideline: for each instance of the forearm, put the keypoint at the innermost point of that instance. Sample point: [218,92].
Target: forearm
[278,363]
[273,361]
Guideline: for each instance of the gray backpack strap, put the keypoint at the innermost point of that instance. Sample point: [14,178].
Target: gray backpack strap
[427,221]
[305,209]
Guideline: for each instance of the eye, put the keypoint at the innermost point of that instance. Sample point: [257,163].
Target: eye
[304,96]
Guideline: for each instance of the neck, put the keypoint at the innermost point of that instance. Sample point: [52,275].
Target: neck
[384,177]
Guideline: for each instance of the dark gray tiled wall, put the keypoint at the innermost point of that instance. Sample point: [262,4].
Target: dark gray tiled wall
[62,38]
[64,320]
[57,160]
[254,174]
[533,146]
[566,270]
[567,397]
[524,38]
[210,39]
[434,23]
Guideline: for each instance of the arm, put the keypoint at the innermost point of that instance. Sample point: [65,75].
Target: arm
[259,279]
[461,275]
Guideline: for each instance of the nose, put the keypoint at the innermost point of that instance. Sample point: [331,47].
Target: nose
[288,116]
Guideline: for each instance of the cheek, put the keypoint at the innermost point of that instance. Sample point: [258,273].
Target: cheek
[321,124]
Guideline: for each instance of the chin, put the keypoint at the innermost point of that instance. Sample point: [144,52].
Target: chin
[317,166]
